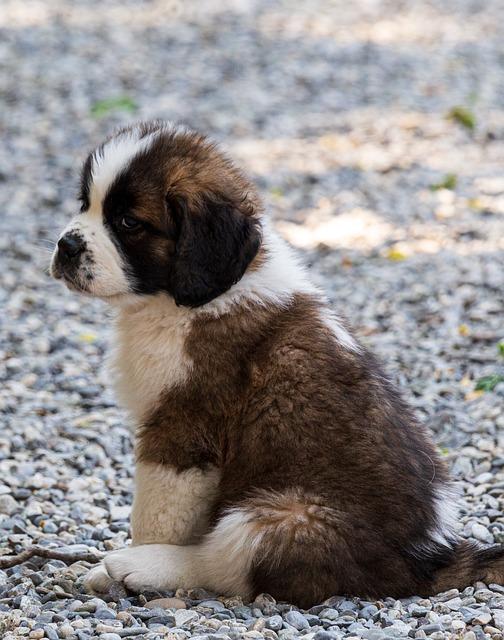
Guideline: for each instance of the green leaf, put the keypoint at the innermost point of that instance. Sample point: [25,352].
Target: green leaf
[472,98]
[488,383]
[277,192]
[448,182]
[463,116]
[88,336]
[395,255]
[500,348]
[120,103]
[475,204]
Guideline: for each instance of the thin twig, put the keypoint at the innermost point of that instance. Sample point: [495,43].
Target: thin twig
[52,554]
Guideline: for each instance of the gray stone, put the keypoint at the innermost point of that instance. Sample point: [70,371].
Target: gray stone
[430,628]
[373,634]
[454,604]
[498,618]
[166,603]
[275,623]
[368,611]
[330,614]
[243,612]
[297,620]
[184,617]
[105,614]
[164,619]
[215,605]
[50,527]
[480,532]
[50,633]
[482,617]
[8,504]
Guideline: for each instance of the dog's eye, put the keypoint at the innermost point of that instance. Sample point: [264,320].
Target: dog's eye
[129,223]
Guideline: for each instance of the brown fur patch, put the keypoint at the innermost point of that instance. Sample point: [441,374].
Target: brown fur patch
[281,407]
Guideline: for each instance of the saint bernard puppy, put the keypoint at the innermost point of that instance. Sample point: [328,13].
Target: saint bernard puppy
[272,453]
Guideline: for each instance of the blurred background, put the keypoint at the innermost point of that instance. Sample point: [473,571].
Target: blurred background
[375,132]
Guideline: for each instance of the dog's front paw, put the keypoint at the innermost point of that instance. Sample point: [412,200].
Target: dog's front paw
[98,580]
[140,567]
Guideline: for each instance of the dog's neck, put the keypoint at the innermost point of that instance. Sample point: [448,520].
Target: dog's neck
[149,354]
[277,276]
[275,281]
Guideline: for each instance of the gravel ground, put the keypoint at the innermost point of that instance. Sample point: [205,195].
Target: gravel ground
[339,112]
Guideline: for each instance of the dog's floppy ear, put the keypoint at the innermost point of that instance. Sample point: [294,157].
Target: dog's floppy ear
[215,244]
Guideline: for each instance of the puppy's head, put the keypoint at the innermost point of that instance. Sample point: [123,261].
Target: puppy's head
[161,211]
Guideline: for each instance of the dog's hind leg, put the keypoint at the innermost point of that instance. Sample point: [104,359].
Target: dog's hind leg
[279,543]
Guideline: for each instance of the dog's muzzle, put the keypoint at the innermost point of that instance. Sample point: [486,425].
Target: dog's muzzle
[67,258]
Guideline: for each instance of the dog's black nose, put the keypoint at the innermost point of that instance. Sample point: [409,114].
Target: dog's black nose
[70,246]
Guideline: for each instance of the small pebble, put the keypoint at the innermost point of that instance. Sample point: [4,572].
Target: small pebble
[8,504]
[480,532]
[297,620]
[166,603]
[50,633]
[275,623]
[183,617]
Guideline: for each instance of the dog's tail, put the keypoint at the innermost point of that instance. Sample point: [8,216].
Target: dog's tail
[470,563]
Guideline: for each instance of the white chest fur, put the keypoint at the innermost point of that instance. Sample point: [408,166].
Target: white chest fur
[149,353]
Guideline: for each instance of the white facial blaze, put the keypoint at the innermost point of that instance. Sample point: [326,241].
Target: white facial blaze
[112,159]
[102,271]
